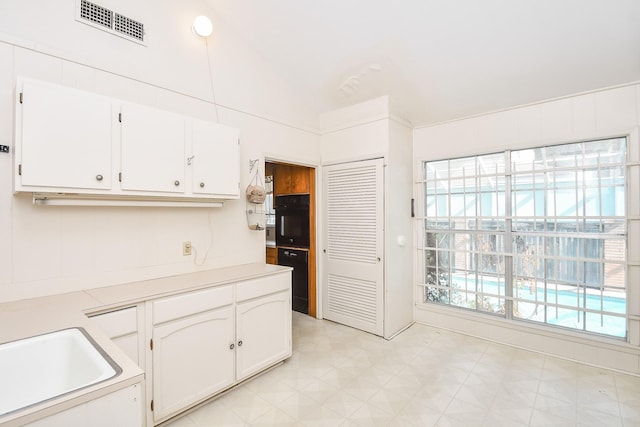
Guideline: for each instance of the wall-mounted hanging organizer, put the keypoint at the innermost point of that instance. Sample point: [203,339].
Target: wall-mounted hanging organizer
[256,214]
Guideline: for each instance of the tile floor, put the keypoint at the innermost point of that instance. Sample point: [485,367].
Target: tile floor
[339,376]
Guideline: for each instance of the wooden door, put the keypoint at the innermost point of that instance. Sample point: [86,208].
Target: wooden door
[354,275]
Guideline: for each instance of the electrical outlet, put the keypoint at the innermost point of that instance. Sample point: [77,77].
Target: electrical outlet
[186,248]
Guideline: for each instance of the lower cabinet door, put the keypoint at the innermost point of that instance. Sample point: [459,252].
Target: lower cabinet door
[122,327]
[263,333]
[120,408]
[193,358]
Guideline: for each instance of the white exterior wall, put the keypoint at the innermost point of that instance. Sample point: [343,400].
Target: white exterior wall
[604,113]
[47,250]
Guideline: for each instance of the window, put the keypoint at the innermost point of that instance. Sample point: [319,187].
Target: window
[268,202]
[533,235]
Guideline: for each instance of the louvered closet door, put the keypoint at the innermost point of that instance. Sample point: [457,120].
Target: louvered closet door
[353,279]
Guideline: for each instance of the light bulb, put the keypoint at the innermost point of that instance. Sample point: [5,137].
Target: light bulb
[202,26]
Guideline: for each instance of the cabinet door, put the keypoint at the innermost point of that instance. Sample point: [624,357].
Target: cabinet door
[120,408]
[291,179]
[152,150]
[263,333]
[122,327]
[193,359]
[63,138]
[215,159]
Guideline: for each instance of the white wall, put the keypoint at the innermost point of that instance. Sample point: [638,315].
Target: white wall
[398,230]
[366,131]
[603,113]
[45,250]
[596,114]
[366,141]
[356,132]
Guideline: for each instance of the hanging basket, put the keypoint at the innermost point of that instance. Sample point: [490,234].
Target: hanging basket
[256,193]
[256,219]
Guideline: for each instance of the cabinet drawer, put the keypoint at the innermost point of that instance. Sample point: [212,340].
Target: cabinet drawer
[118,323]
[265,286]
[192,303]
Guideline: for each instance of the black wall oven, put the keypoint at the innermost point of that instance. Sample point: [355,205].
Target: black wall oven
[292,220]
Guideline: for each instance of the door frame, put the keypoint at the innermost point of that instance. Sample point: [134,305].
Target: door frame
[315,309]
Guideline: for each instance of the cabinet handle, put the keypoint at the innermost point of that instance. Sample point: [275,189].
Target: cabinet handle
[240,343]
[231,346]
[202,185]
[176,183]
[99,177]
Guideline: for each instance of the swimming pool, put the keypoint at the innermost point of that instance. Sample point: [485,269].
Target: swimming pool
[564,306]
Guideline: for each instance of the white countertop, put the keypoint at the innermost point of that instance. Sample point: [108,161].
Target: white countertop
[119,295]
[30,317]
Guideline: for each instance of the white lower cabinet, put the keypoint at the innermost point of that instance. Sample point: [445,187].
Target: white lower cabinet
[192,360]
[122,327]
[206,341]
[263,333]
[120,408]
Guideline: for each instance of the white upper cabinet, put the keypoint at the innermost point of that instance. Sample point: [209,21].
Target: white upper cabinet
[215,159]
[64,138]
[70,142]
[152,149]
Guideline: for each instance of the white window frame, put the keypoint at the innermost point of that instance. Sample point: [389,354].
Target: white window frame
[632,267]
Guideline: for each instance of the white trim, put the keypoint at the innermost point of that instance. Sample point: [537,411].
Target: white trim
[374,156]
[366,121]
[280,158]
[517,107]
[357,123]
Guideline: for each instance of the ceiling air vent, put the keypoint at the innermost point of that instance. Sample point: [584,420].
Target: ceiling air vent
[96,14]
[129,27]
[110,21]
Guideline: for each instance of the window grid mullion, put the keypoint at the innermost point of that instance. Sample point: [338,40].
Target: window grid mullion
[508,237]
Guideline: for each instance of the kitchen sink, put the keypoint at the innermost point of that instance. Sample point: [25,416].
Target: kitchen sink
[43,367]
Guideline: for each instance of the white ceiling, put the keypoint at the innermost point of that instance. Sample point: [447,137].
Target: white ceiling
[441,59]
